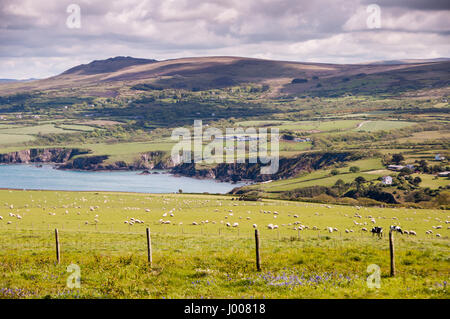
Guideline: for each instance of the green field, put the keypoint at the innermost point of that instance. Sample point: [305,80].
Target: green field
[211,260]
[373,126]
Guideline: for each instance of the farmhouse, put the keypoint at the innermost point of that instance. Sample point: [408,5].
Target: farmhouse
[438,157]
[386,180]
[444,174]
[306,139]
[396,167]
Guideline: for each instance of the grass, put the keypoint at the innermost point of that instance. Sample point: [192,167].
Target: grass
[373,126]
[198,261]
[369,170]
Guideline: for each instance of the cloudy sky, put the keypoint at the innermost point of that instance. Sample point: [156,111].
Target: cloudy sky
[41,38]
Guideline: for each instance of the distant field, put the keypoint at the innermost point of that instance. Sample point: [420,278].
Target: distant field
[304,125]
[430,181]
[211,260]
[323,177]
[6,139]
[372,126]
[425,136]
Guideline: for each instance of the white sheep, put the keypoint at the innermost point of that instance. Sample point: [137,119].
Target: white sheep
[364,229]
[412,232]
[235,225]
[438,235]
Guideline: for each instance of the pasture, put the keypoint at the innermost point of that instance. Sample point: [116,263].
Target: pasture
[210,259]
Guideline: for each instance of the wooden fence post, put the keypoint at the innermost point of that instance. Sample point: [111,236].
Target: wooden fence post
[149,247]
[392,252]
[258,260]
[57,245]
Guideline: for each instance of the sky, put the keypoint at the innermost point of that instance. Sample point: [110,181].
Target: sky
[42,38]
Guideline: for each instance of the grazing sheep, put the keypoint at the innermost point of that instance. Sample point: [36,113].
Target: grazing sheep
[9,222]
[406,232]
[228,224]
[270,226]
[235,225]
[1,217]
[364,229]
[167,222]
[125,222]
[335,229]
[275,226]
[255,226]
[194,223]
[438,235]
[330,229]
[412,232]
[147,210]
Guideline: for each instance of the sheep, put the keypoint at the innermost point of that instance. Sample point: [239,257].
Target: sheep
[270,226]
[330,229]
[9,222]
[364,229]
[335,229]
[125,222]
[412,232]
[235,225]
[1,217]
[295,216]
[438,235]
[228,224]
[167,222]
[248,218]
[406,232]
[194,223]
[147,210]
[275,226]
[255,226]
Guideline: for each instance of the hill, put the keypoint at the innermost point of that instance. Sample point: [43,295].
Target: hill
[203,73]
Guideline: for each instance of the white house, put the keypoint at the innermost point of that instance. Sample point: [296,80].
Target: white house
[438,157]
[387,180]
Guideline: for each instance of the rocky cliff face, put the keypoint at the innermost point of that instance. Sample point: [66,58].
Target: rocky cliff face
[288,167]
[40,155]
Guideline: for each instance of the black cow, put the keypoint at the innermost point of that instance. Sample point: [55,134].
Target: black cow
[397,229]
[378,231]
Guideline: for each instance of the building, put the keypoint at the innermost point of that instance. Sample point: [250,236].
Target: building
[444,174]
[438,157]
[396,167]
[386,180]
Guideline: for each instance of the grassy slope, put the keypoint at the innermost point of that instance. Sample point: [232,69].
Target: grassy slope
[195,261]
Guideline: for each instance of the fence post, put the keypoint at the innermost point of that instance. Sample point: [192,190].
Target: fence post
[149,247]
[57,245]
[392,252]
[258,260]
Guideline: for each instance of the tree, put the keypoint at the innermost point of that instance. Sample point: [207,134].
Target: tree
[417,180]
[397,158]
[354,169]
[360,180]
[334,171]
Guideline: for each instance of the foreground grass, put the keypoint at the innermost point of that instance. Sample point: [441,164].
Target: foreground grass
[211,260]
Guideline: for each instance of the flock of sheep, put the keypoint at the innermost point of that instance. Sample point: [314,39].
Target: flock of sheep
[169,216]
